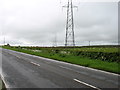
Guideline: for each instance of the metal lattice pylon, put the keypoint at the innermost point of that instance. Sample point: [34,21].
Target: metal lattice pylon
[70,39]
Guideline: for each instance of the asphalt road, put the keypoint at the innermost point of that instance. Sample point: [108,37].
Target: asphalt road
[21,70]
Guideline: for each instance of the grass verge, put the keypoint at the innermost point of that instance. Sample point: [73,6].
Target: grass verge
[87,62]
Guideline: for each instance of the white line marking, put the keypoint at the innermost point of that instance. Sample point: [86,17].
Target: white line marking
[35,63]
[74,70]
[66,68]
[3,79]
[86,84]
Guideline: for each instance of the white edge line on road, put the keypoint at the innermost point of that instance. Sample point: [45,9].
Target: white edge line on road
[86,84]
[65,63]
[35,64]
[2,77]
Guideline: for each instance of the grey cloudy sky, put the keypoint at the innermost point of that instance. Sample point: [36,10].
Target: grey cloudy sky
[38,22]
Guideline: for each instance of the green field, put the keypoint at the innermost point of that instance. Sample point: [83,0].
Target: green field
[103,58]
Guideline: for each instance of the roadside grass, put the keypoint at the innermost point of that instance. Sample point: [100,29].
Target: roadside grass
[83,61]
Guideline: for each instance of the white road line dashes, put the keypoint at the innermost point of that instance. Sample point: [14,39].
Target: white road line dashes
[35,63]
[65,67]
[86,84]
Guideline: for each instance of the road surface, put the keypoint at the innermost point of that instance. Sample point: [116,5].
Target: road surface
[21,70]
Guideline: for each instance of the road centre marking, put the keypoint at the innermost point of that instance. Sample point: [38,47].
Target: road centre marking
[66,68]
[35,63]
[86,84]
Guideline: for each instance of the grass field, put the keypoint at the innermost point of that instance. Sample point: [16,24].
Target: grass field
[68,55]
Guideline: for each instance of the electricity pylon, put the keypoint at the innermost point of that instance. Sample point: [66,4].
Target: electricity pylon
[55,41]
[4,40]
[70,37]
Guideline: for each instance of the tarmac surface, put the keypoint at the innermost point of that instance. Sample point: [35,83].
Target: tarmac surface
[21,70]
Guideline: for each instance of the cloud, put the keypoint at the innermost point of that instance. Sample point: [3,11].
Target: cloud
[36,22]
